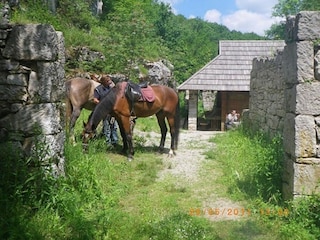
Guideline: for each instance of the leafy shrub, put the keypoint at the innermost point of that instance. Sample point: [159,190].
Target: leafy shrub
[26,184]
[304,214]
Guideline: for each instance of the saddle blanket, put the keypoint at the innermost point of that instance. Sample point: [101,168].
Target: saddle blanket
[147,94]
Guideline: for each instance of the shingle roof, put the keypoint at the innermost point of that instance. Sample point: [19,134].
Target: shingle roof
[230,70]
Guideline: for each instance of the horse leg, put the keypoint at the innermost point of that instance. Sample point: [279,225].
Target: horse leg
[123,136]
[74,116]
[171,122]
[127,124]
[69,110]
[163,129]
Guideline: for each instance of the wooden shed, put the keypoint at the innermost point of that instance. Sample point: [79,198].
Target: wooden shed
[228,77]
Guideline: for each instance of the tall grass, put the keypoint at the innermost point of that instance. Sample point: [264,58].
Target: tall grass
[252,172]
[253,165]
[102,196]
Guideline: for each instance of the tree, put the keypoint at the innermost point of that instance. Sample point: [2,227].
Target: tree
[130,32]
[285,8]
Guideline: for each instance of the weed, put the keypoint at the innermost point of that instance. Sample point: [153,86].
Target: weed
[252,165]
[178,226]
[304,214]
[104,197]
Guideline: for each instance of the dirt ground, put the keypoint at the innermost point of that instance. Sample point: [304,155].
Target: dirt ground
[187,166]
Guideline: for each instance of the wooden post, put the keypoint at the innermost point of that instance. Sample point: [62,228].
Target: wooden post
[224,110]
[193,110]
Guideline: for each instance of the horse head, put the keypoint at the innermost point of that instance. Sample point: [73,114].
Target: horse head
[87,134]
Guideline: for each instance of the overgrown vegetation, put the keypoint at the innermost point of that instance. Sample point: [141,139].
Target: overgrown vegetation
[252,166]
[287,8]
[104,197]
[130,32]
[101,197]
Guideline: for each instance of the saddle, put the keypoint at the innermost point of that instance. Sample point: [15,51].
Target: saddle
[133,91]
[138,93]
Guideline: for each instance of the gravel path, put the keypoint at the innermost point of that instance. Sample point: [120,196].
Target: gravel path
[186,165]
[189,156]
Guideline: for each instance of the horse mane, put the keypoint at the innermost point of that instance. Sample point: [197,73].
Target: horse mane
[104,107]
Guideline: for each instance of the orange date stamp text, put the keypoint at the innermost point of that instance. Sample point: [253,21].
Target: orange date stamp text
[240,212]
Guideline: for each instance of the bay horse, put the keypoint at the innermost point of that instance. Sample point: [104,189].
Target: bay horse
[115,103]
[79,93]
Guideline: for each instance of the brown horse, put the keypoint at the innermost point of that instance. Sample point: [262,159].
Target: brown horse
[164,106]
[79,95]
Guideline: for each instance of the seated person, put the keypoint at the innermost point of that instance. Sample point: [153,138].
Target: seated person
[232,120]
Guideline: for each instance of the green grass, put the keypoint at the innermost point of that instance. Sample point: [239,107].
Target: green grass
[252,164]
[103,196]
[252,168]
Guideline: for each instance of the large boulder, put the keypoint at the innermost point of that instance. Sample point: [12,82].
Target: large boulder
[41,39]
[160,72]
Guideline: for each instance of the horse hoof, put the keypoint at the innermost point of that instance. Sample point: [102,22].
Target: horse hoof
[161,150]
[171,153]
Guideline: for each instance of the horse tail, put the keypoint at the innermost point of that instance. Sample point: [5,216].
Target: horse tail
[177,122]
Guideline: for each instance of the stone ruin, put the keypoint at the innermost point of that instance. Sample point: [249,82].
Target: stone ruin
[32,91]
[285,100]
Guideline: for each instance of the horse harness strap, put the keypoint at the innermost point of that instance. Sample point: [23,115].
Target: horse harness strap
[134,94]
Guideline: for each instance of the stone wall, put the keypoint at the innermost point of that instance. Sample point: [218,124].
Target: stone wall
[32,91]
[267,98]
[284,99]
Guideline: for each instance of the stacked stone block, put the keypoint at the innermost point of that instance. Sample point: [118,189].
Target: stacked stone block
[32,91]
[285,99]
[301,138]
[267,100]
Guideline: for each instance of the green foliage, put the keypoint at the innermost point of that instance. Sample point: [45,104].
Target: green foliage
[183,105]
[200,108]
[310,5]
[129,32]
[149,124]
[285,8]
[252,172]
[178,226]
[252,165]
[101,191]
[77,13]
[305,214]
[276,31]
[25,186]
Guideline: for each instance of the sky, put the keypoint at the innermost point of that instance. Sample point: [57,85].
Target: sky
[240,15]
